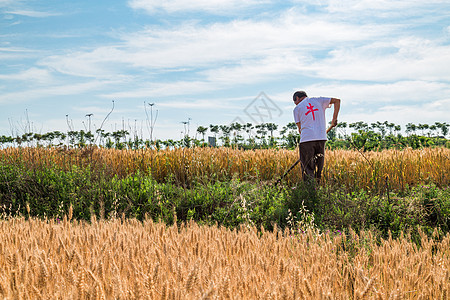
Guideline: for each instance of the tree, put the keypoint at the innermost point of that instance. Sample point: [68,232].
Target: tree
[271,127]
[290,135]
[226,130]
[236,127]
[248,128]
[382,128]
[342,132]
[433,128]
[103,135]
[411,128]
[72,135]
[359,126]
[261,130]
[89,137]
[186,142]
[423,127]
[390,126]
[202,130]
[117,135]
[171,143]
[6,139]
[214,129]
[443,127]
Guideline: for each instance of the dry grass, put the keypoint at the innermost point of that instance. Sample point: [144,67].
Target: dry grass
[352,169]
[125,259]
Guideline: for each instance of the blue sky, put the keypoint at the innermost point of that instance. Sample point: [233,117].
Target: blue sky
[218,61]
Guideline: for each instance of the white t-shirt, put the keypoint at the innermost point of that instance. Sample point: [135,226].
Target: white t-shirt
[311,115]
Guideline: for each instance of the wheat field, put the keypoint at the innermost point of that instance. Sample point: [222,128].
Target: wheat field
[353,169]
[127,259]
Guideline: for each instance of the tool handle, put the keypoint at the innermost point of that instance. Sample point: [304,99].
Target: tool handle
[284,175]
[293,166]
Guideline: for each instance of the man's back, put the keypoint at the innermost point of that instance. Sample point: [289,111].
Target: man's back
[310,112]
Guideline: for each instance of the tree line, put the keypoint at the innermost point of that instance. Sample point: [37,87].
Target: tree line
[360,135]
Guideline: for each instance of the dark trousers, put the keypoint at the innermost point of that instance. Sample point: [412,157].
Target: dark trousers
[312,157]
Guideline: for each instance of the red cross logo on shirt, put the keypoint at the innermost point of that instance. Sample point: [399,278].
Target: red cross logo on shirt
[311,110]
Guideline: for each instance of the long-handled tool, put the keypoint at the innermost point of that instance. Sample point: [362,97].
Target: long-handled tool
[296,163]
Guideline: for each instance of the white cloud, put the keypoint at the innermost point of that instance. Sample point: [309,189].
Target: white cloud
[32,75]
[55,90]
[377,8]
[101,62]
[406,59]
[32,13]
[254,71]
[210,6]
[226,46]
[163,89]
[22,8]
[191,44]
[9,53]
[369,6]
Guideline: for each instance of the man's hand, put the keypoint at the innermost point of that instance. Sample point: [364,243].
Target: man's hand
[334,122]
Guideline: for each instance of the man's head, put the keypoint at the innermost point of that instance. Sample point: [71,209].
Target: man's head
[298,96]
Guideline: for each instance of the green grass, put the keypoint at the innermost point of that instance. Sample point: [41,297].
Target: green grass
[49,192]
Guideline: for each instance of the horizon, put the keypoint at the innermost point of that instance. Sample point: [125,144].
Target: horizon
[342,131]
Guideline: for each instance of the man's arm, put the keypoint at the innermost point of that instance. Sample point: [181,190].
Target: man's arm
[299,127]
[337,105]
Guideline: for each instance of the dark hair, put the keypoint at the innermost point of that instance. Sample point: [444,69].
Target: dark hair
[299,94]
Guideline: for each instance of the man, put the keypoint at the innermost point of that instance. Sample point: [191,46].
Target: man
[309,115]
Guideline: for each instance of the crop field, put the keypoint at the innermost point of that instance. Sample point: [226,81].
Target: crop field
[209,223]
[127,259]
[352,169]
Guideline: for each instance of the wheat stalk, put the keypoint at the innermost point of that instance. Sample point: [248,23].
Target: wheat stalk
[125,259]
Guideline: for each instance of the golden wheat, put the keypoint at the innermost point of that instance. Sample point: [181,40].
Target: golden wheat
[353,169]
[127,259]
